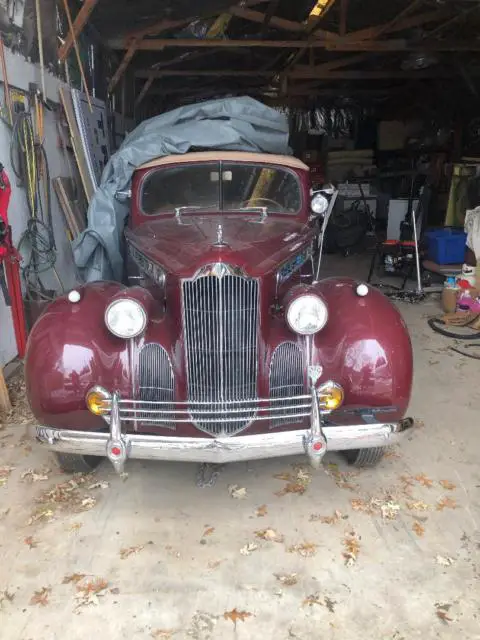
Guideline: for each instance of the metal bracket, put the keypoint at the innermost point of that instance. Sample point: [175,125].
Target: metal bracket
[116,447]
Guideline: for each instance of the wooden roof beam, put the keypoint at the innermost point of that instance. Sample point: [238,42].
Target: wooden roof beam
[363,45]
[307,74]
[78,24]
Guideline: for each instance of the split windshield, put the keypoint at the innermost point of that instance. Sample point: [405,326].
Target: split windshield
[221,186]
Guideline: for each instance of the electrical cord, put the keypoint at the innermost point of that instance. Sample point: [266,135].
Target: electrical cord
[30,165]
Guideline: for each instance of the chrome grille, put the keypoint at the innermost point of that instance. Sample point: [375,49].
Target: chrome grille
[155,377]
[287,380]
[220,327]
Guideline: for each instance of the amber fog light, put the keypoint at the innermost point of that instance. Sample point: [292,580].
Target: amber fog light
[330,396]
[97,400]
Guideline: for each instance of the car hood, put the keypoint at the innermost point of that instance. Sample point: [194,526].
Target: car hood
[184,245]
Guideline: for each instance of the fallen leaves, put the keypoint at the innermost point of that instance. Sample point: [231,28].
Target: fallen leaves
[261,511]
[66,496]
[31,542]
[336,517]
[208,532]
[287,579]
[88,593]
[441,611]
[444,561]
[446,484]
[351,542]
[446,503]
[99,485]
[239,493]
[73,578]
[384,506]
[4,474]
[6,596]
[163,634]
[315,598]
[424,480]
[247,549]
[297,482]
[235,616]
[41,514]
[418,505]
[34,475]
[304,549]
[341,478]
[41,597]
[418,529]
[130,551]
[269,534]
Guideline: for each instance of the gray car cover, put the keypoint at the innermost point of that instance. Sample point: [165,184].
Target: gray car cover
[235,124]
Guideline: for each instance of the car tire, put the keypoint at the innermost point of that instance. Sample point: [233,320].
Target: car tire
[74,463]
[365,457]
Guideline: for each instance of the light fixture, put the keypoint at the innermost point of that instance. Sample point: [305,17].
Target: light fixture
[125,318]
[307,314]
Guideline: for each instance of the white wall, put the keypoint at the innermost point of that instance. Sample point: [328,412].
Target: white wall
[20,74]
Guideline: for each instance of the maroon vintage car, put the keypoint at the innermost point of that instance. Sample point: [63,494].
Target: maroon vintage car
[226,344]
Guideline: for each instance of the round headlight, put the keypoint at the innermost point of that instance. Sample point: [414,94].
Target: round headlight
[319,204]
[125,318]
[307,315]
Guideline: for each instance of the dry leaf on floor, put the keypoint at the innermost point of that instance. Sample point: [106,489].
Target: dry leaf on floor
[311,600]
[235,616]
[74,578]
[287,579]
[261,511]
[305,549]
[419,530]
[424,480]
[31,542]
[239,493]
[89,592]
[41,597]
[75,526]
[41,514]
[342,479]
[248,548]
[337,516]
[99,485]
[283,476]
[446,503]
[442,610]
[4,473]
[270,535]
[124,475]
[351,542]
[208,532]
[297,482]
[32,475]
[163,634]
[214,564]
[358,504]
[444,561]
[130,551]
[6,596]
[88,503]
[330,604]
[419,505]
[392,454]
[389,510]
[446,484]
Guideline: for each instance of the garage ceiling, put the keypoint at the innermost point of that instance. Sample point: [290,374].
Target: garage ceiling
[291,52]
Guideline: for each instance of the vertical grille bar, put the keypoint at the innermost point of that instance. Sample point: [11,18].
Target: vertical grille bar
[156,383]
[220,327]
[286,378]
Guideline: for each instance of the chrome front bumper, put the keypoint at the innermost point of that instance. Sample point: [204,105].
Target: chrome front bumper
[313,442]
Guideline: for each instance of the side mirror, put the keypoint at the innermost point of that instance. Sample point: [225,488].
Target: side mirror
[123,196]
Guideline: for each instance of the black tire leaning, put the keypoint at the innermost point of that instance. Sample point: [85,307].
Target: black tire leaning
[365,457]
[75,463]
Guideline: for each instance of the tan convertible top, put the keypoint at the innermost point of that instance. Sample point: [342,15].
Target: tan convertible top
[236,156]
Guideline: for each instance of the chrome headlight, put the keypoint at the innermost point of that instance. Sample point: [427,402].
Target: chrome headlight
[125,318]
[319,204]
[307,314]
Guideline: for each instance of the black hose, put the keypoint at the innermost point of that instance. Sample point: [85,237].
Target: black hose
[434,323]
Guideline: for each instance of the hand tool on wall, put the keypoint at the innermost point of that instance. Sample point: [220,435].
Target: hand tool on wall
[10,267]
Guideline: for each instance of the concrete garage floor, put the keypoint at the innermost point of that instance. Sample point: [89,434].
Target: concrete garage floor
[166,557]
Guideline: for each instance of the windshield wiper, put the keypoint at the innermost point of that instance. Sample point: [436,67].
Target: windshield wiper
[262,210]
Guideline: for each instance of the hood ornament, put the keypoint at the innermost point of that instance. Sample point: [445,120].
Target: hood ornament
[220,241]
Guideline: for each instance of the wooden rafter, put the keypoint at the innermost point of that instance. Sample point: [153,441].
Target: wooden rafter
[399,44]
[307,73]
[78,25]
[123,65]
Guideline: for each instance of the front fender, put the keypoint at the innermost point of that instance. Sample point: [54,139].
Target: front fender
[365,347]
[69,350]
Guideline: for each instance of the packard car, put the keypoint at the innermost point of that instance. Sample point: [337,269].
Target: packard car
[224,342]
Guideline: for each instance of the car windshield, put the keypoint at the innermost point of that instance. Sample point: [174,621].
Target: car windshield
[221,186]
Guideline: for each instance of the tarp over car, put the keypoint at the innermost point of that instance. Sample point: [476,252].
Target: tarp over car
[235,124]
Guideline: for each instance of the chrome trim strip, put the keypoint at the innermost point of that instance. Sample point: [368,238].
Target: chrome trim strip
[225,449]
